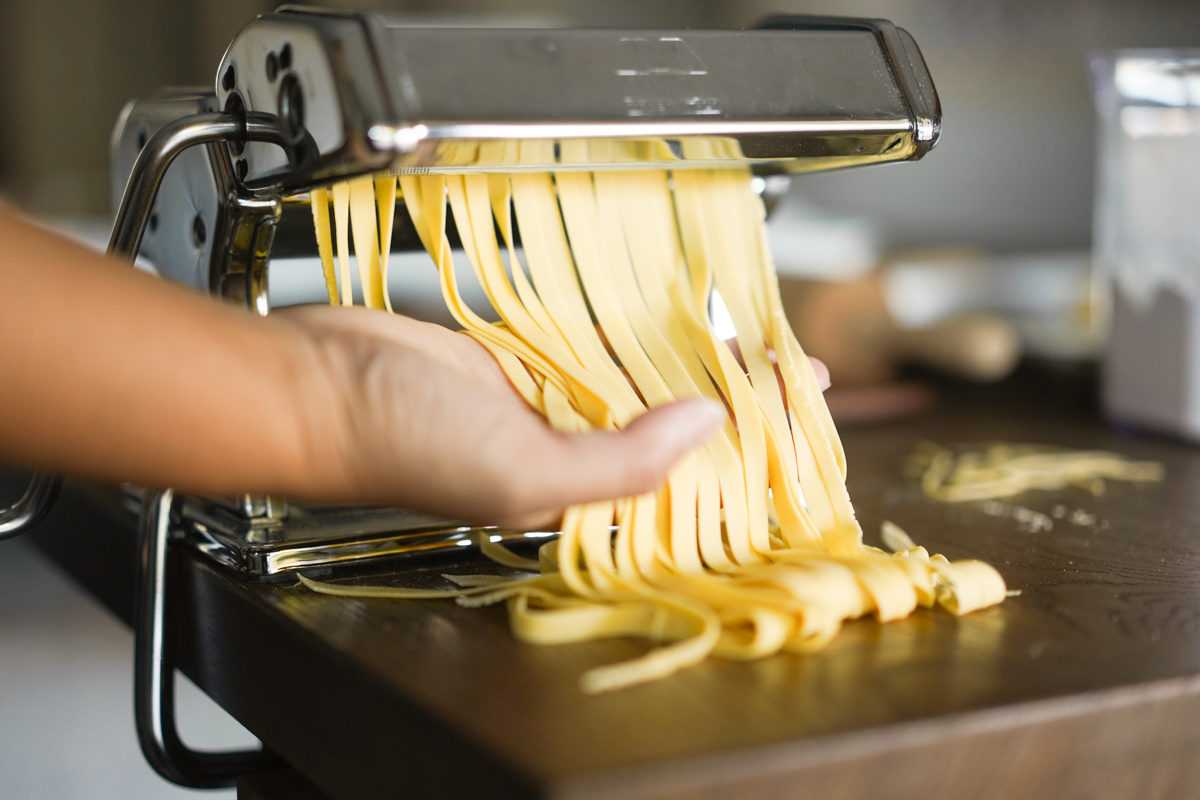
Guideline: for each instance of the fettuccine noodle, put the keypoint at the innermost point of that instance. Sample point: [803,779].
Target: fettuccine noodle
[751,545]
[1004,470]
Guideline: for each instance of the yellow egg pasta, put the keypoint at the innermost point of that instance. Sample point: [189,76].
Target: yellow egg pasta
[1004,470]
[751,546]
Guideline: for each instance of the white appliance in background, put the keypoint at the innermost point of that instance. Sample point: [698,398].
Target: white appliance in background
[1147,234]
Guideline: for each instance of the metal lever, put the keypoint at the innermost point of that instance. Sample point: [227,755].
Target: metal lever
[154,671]
[28,511]
[152,163]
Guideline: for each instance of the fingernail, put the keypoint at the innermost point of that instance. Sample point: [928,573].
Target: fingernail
[822,373]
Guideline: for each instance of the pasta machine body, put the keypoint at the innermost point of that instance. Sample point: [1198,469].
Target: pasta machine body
[211,184]
[352,94]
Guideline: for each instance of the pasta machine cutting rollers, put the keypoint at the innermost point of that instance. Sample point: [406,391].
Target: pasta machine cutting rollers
[212,185]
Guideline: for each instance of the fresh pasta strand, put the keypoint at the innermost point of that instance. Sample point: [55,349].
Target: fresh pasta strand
[1004,470]
[341,219]
[751,546]
[320,208]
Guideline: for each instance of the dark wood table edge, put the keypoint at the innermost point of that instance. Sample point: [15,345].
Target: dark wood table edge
[1080,731]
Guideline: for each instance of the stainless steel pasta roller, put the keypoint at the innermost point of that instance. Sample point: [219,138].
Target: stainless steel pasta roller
[210,184]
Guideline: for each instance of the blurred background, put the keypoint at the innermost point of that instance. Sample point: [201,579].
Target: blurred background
[1007,195]
[1014,169]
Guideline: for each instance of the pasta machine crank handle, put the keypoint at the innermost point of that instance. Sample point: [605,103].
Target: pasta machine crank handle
[154,159]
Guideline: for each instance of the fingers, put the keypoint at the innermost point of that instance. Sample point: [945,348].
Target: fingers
[822,372]
[818,366]
[583,468]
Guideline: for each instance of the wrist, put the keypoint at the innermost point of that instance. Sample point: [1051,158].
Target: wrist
[314,388]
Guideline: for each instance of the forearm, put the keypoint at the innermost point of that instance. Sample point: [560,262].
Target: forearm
[109,373]
[113,374]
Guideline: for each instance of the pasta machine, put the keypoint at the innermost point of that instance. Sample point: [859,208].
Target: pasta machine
[211,186]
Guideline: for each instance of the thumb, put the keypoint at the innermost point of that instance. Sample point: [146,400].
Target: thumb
[604,465]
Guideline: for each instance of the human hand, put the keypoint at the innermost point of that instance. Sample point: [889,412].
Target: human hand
[410,413]
[413,414]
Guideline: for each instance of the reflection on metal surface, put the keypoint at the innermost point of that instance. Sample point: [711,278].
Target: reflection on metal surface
[646,142]
[672,107]
[652,56]
[32,506]
[317,535]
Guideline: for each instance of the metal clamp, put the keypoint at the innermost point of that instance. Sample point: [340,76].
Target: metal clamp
[154,670]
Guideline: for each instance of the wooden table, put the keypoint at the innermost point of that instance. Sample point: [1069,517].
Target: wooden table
[1087,685]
